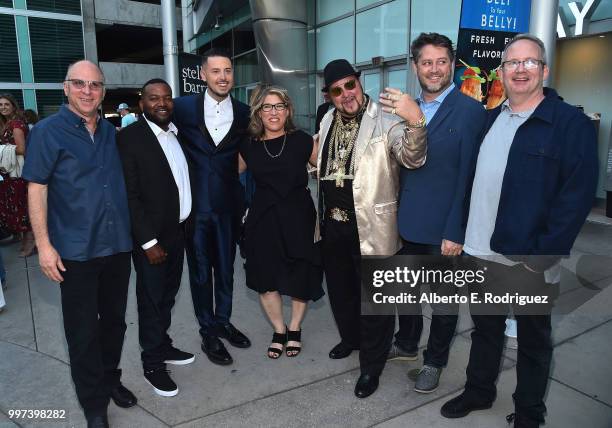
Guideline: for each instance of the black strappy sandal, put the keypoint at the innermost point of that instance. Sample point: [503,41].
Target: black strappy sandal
[294,336]
[281,339]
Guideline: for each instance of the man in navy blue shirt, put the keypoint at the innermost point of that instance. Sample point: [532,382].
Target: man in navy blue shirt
[533,186]
[80,218]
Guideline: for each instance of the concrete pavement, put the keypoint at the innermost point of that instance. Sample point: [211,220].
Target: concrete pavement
[310,390]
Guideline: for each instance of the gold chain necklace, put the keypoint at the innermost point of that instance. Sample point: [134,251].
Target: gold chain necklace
[340,148]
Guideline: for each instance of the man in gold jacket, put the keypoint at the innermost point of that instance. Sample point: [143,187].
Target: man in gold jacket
[362,144]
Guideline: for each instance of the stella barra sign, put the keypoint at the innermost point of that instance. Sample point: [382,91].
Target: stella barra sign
[189,74]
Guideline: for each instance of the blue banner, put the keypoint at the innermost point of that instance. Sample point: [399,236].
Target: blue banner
[496,15]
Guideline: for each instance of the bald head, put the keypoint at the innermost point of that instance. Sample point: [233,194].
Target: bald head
[83,64]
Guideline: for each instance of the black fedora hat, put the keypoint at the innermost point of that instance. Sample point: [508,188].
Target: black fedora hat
[336,70]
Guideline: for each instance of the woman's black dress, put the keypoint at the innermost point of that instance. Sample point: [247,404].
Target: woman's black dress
[279,231]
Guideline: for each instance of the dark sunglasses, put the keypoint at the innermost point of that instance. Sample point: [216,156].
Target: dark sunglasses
[349,86]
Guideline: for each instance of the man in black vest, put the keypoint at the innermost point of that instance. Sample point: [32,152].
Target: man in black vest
[211,127]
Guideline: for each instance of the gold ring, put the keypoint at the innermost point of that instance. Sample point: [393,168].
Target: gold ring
[393,110]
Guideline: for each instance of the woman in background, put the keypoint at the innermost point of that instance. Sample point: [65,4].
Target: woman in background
[13,189]
[281,257]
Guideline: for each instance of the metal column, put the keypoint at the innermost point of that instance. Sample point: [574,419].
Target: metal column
[543,24]
[168,21]
[187,17]
[282,48]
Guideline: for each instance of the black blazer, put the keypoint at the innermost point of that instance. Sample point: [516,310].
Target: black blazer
[153,196]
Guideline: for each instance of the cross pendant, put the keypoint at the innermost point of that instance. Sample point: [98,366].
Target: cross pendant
[339,178]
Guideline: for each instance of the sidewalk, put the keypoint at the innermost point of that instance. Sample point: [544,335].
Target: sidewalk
[311,390]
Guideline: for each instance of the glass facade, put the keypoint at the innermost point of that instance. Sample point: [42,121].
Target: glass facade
[426,17]
[55,45]
[330,9]
[9,60]
[58,6]
[49,101]
[382,31]
[335,40]
[37,51]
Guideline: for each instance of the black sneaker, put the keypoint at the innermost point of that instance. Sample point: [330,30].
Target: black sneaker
[161,382]
[178,358]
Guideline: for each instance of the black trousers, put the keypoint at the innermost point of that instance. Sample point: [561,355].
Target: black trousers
[94,298]
[534,340]
[444,318]
[371,334]
[210,254]
[156,289]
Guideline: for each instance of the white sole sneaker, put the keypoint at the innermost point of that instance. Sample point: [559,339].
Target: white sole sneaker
[180,362]
[422,391]
[163,393]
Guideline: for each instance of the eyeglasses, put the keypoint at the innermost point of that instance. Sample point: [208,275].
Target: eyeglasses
[337,91]
[94,85]
[529,64]
[277,107]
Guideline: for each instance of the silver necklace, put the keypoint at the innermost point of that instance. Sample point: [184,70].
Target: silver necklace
[281,150]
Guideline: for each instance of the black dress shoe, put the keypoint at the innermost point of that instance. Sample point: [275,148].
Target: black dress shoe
[366,385]
[341,350]
[233,336]
[123,397]
[521,421]
[463,405]
[97,421]
[215,351]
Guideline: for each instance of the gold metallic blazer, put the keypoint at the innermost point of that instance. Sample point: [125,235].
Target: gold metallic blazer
[383,144]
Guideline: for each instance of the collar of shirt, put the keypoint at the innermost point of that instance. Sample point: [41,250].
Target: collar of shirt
[430,108]
[440,98]
[157,130]
[224,106]
[507,109]
[72,117]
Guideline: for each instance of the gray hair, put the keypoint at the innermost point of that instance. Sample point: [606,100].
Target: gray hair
[531,38]
[71,66]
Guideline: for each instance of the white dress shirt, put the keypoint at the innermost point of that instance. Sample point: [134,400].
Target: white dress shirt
[218,117]
[178,165]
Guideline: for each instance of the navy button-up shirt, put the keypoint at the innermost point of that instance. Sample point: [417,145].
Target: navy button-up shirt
[87,210]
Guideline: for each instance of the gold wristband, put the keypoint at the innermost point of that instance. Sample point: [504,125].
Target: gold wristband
[419,124]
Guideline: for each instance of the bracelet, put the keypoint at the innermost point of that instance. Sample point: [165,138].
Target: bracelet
[419,124]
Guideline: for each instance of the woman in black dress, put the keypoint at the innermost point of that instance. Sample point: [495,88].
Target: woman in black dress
[281,257]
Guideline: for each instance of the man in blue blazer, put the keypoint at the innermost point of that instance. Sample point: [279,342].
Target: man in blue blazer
[211,126]
[431,204]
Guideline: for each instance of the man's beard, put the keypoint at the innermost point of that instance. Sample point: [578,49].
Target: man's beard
[432,89]
[360,103]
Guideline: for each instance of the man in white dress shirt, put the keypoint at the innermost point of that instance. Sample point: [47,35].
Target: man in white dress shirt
[212,126]
[159,198]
